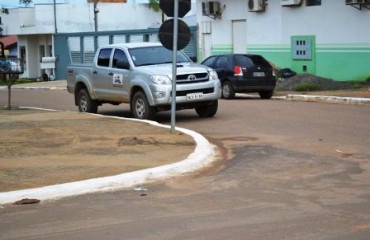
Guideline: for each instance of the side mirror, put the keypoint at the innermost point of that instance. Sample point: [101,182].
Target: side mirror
[194,59]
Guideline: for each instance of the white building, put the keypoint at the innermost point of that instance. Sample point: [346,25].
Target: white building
[329,38]
[36,26]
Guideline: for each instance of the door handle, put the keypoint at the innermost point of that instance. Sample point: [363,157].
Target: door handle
[95,72]
[110,74]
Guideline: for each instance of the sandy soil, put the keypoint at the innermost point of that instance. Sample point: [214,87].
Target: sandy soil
[39,148]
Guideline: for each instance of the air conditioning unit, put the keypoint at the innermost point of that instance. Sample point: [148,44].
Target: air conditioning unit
[350,2]
[291,2]
[256,5]
[211,8]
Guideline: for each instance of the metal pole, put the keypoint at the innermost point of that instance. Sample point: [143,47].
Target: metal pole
[9,95]
[55,17]
[96,14]
[174,65]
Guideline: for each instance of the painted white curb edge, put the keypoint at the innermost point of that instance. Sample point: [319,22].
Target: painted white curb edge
[329,99]
[202,156]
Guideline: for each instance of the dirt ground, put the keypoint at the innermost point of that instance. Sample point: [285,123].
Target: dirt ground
[39,148]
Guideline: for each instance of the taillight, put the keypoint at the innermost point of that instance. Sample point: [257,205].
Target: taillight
[238,71]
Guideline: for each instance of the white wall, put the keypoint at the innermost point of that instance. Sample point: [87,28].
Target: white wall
[332,22]
[265,27]
[79,18]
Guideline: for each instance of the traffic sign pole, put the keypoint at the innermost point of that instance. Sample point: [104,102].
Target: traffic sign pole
[174,65]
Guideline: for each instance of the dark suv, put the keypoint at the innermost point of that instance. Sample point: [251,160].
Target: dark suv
[243,73]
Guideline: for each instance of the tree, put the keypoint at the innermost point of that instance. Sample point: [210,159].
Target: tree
[154,5]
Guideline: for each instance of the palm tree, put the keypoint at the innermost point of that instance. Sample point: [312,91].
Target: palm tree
[154,4]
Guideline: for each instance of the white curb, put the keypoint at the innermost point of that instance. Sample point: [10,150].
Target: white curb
[202,156]
[329,99]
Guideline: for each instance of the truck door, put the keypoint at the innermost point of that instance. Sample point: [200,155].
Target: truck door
[120,76]
[101,77]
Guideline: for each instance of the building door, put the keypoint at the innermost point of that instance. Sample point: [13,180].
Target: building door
[239,31]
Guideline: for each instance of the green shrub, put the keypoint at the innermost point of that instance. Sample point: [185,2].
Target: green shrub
[306,87]
[17,81]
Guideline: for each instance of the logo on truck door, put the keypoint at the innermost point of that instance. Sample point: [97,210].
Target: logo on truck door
[117,80]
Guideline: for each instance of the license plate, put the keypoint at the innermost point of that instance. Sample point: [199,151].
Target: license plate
[258,74]
[194,96]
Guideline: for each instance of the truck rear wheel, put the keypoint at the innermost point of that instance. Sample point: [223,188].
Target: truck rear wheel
[207,111]
[266,95]
[85,103]
[140,107]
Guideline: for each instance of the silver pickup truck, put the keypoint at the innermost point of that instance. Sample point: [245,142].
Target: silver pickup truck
[141,74]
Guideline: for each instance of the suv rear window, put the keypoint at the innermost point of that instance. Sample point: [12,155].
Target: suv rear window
[260,61]
[250,61]
[243,61]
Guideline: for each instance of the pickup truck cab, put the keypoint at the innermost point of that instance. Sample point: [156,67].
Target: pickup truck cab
[140,74]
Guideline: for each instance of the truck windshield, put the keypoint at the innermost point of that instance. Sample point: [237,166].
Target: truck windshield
[154,55]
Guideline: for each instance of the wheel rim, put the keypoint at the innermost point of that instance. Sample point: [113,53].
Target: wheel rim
[83,103]
[226,90]
[140,108]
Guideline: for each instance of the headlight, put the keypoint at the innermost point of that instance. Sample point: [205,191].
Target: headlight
[213,75]
[161,79]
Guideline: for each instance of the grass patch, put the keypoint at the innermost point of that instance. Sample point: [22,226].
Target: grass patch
[17,81]
[306,87]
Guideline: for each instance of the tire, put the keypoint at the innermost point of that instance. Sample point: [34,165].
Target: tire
[266,95]
[140,107]
[85,103]
[227,90]
[208,110]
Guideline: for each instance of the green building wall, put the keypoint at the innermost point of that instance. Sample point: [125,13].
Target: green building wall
[340,62]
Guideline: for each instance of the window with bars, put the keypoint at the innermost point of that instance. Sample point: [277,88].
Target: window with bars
[313,2]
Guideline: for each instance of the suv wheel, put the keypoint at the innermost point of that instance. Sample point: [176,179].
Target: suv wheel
[141,108]
[208,110]
[266,95]
[227,90]
[85,103]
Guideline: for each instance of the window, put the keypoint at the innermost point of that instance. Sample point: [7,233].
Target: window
[154,55]
[210,61]
[104,56]
[243,61]
[313,2]
[221,62]
[120,59]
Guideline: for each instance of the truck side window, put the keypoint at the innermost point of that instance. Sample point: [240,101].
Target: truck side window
[120,60]
[104,56]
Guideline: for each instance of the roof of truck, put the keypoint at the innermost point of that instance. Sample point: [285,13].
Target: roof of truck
[134,45]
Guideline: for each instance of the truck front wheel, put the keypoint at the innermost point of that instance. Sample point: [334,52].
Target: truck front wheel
[207,111]
[85,103]
[140,107]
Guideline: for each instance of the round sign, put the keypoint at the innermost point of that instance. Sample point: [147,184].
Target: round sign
[166,34]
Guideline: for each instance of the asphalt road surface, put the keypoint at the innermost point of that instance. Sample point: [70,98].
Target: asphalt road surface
[286,170]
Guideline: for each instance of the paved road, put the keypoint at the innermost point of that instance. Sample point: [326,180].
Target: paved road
[286,170]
